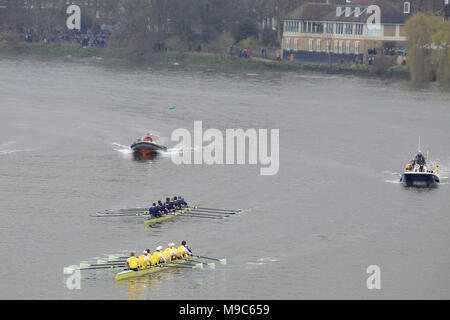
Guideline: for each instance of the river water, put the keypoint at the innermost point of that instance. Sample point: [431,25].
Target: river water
[310,231]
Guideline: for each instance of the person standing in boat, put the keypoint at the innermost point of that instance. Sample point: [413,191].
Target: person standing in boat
[420,160]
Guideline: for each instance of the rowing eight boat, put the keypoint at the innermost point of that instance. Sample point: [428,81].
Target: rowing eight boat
[127,274]
[171,215]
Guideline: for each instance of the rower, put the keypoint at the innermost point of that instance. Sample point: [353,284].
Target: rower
[143,260]
[132,262]
[176,203]
[171,252]
[168,205]
[183,203]
[184,250]
[150,258]
[162,208]
[158,256]
[154,211]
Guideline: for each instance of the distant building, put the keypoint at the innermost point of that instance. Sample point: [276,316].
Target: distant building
[344,30]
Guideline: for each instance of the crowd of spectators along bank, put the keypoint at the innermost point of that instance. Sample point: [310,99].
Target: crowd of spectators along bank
[372,53]
[89,39]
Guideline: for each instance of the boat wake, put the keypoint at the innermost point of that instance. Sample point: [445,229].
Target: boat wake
[4,152]
[260,262]
[122,148]
[392,174]
[393,181]
[10,151]
[180,150]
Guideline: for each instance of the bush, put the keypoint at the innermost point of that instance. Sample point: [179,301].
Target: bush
[245,30]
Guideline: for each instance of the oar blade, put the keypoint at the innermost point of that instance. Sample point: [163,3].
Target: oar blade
[68,270]
[198,266]
[112,257]
[212,265]
[223,261]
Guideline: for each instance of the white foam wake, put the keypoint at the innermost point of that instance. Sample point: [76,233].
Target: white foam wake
[178,150]
[122,148]
[393,181]
[5,152]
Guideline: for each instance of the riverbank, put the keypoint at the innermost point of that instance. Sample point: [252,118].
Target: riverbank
[208,60]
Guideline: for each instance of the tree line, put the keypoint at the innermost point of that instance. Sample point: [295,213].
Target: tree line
[144,25]
[429,47]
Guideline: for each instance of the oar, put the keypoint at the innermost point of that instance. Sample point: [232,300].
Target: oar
[128,210]
[198,266]
[84,265]
[204,213]
[212,212]
[222,261]
[137,214]
[69,270]
[198,216]
[213,209]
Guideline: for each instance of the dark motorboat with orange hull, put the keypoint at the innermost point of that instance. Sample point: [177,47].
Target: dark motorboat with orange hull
[146,146]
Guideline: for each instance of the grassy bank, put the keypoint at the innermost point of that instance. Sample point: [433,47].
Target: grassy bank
[206,60]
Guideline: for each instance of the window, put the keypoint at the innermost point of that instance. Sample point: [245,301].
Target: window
[291,26]
[359,27]
[319,42]
[296,44]
[330,27]
[347,47]
[348,28]
[407,7]
[341,45]
[288,44]
[311,44]
[328,46]
[339,28]
[356,47]
[336,43]
[312,27]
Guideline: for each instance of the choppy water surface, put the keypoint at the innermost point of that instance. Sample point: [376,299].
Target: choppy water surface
[334,208]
